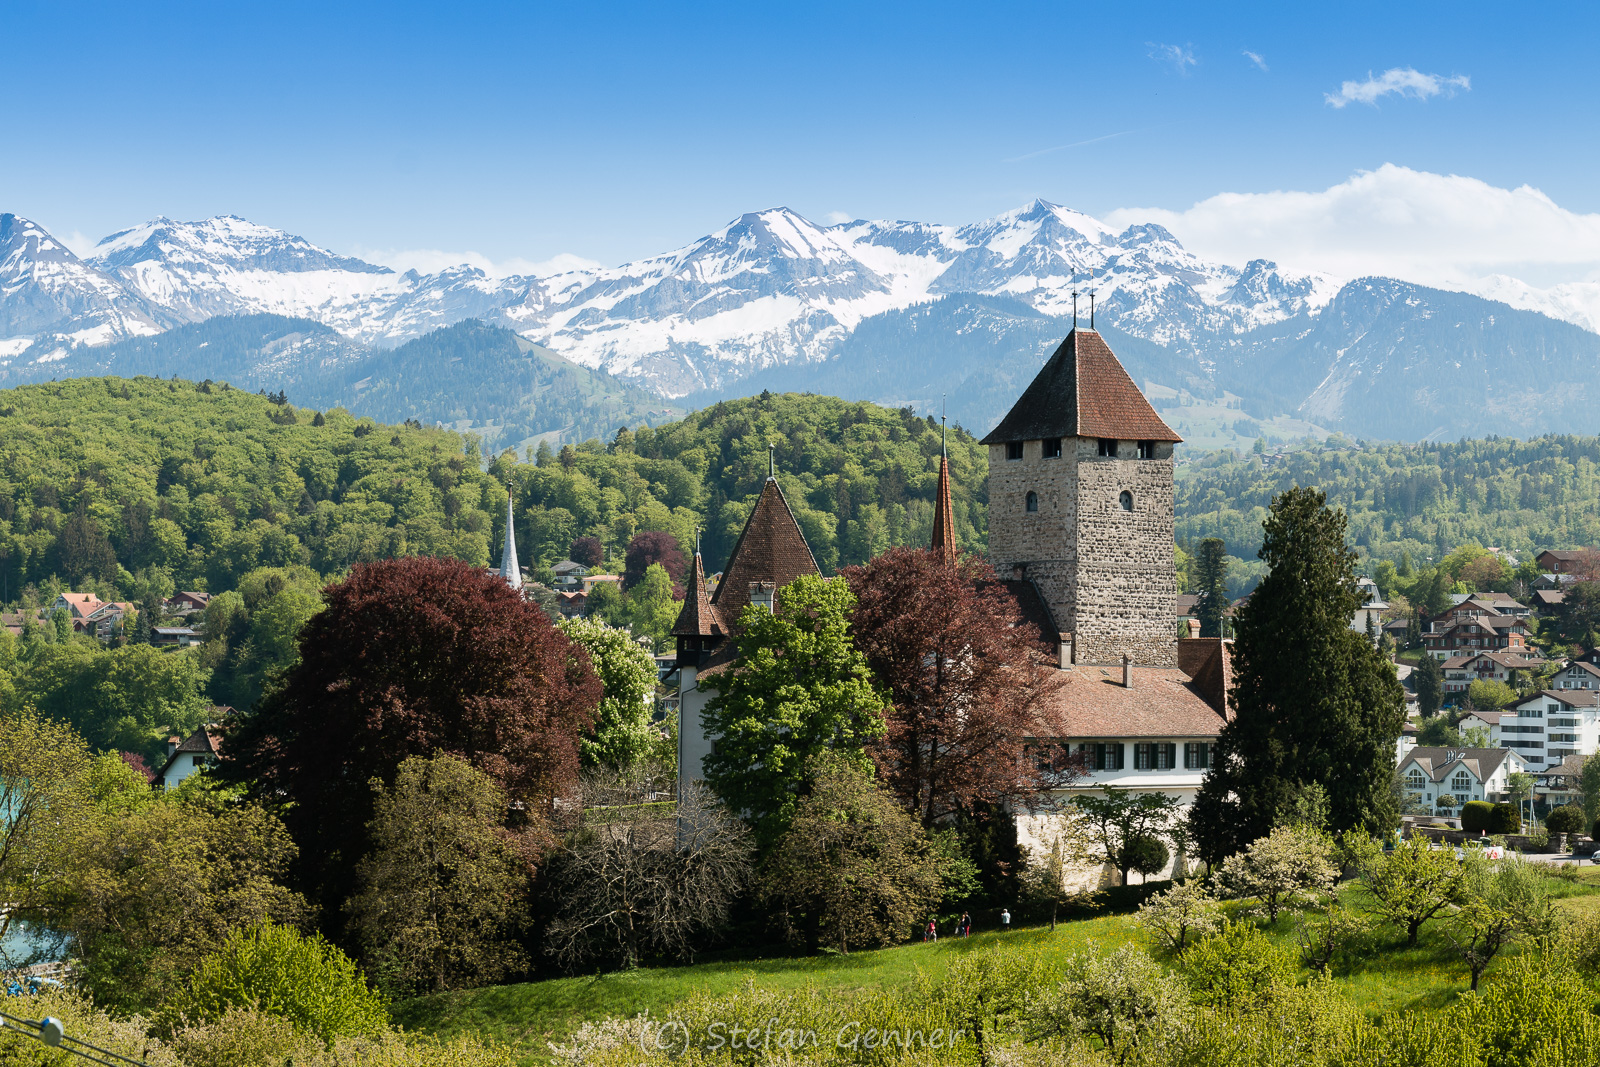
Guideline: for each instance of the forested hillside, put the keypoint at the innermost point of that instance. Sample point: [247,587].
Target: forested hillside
[131,486]
[1422,500]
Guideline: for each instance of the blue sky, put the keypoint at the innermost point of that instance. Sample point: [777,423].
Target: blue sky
[612,131]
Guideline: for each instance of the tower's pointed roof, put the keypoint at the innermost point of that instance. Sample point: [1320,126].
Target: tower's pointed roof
[1082,391]
[944,517]
[771,548]
[698,617]
[508,555]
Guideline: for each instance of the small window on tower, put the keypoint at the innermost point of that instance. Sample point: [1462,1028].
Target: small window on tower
[1108,447]
[1032,502]
[1126,500]
[1147,450]
[1052,448]
[1014,450]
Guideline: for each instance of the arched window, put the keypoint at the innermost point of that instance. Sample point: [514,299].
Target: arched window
[1414,780]
[1032,501]
[1461,783]
[1126,500]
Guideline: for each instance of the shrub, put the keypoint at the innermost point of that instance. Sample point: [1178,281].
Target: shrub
[1476,815]
[1567,819]
[1171,917]
[1480,816]
[1237,967]
[1125,1000]
[275,970]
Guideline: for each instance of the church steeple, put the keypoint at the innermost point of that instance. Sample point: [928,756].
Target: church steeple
[508,556]
[944,518]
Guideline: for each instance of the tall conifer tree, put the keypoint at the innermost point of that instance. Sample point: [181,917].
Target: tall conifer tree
[1313,701]
[1211,568]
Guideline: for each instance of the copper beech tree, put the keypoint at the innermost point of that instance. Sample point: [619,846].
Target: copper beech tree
[411,657]
[968,680]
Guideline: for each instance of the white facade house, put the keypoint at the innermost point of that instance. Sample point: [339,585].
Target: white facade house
[1370,614]
[1557,723]
[1463,773]
[1577,675]
[193,754]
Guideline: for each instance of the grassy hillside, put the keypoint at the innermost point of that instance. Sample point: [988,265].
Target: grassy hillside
[1390,977]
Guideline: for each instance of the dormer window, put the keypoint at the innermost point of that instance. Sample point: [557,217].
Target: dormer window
[1147,450]
[1013,449]
[1108,447]
[1052,447]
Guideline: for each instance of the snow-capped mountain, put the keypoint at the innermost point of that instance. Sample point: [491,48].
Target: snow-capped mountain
[769,289]
[773,288]
[44,287]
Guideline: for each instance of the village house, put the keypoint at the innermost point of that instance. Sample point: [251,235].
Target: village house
[1473,626]
[1464,774]
[1561,783]
[567,575]
[1509,667]
[1579,674]
[1568,561]
[1369,616]
[194,753]
[185,602]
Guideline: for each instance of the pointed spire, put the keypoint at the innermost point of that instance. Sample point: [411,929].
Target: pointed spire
[772,467]
[697,617]
[509,570]
[944,518]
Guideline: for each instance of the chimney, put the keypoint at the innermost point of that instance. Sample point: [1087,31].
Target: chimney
[1127,671]
[1064,651]
[1194,629]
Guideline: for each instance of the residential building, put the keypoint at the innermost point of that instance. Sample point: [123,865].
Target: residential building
[185,602]
[567,575]
[1579,674]
[1509,667]
[1547,601]
[1370,614]
[1568,561]
[1473,626]
[1463,773]
[1561,783]
[592,580]
[199,750]
[1553,725]
[181,636]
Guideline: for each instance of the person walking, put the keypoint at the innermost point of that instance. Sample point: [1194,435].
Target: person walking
[1005,920]
[965,926]
[932,932]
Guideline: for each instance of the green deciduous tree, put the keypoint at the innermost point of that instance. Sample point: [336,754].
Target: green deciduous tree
[1500,904]
[1313,700]
[1238,967]
[801,689]
[442,890]
[1124,999]
[1184,911]
[624,734]
[1489,694]
[853,868]
[1120,822]
[1282,870]
[1411,884]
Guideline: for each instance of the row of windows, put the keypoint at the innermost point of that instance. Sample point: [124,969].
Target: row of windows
[1050,448]
[1031,501]
[1147,756]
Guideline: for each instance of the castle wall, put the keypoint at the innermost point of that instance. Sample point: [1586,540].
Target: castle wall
[1107,573]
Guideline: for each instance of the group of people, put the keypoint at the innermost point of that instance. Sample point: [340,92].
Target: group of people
[963,925]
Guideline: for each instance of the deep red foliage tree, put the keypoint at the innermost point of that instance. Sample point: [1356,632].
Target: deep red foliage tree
[587,551]
[654,546]
[409,658]
[967,682]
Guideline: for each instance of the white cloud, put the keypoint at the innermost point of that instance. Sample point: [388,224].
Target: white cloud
[1255,57]
[78,244]
[838,218]
[1179,57]
[1438,229]
[1402,81]
[432,260]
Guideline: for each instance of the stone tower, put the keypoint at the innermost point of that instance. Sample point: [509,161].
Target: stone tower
[1080,503]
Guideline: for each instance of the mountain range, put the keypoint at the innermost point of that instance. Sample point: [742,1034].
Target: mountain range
[897,312]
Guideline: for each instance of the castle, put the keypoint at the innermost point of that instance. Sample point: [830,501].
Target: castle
[1081,533]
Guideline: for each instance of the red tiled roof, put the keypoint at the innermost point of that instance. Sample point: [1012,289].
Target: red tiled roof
[944,520]
[697,618]
[771,548]
[1082,391]
[1164,702]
